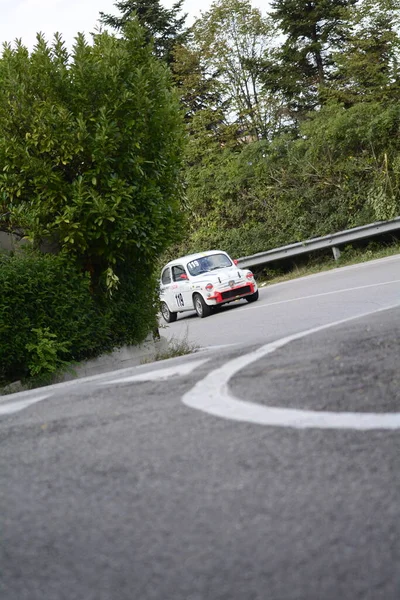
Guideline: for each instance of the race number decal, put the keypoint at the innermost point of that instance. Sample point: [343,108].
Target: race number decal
[193,264]
[179,300]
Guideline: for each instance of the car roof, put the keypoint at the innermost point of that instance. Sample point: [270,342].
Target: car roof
[189,257]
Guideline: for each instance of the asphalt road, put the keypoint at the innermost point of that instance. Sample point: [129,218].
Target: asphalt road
[264,470]
[295,305]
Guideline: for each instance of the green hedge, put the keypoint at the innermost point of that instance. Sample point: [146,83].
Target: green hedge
[47,292]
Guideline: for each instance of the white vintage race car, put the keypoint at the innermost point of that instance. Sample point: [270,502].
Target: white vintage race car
[202,281]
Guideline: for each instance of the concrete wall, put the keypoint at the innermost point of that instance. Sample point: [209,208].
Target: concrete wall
[126,356]
[11,242]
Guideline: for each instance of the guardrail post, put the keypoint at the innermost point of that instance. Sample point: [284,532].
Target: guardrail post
[336,252]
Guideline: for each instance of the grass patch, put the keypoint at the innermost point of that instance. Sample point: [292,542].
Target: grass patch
[318,264]
[176,347]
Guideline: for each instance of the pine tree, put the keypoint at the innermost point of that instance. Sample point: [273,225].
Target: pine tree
[164,27]
[368,64]
[303,65]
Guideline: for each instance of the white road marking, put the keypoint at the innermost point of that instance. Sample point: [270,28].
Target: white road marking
[353,289]
[175,371]
[212,395]
[12,407]
[7,408]
[219,346]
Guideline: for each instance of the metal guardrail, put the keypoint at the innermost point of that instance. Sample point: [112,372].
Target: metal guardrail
[332,241]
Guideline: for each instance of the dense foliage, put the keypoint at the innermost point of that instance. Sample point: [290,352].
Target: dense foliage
[43,295]
[293,120]
[90,148]
[90,169]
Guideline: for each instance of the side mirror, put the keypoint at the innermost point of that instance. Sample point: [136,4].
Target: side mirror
[183,276]
[235,261]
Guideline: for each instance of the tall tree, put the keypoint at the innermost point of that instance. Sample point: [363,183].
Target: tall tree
[303,64]
[199,88]
[232,37]
[368,64]
[90,148]
[164,26]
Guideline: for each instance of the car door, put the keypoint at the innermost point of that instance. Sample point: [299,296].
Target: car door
[181,288]
[165,288]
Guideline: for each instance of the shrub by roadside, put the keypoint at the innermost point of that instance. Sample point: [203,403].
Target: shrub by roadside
[49,317]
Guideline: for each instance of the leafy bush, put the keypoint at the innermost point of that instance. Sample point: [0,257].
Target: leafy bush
[45,353]
[90,149]
[49,293]
[341,171]
[90,164]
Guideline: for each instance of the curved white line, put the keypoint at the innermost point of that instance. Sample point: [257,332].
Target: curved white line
[174,371]
[212,395]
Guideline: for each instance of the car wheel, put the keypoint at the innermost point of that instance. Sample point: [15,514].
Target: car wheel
[252,297]
[202,309]
[168,316]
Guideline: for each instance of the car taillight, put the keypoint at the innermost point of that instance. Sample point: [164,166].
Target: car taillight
[209,287]
[249,275]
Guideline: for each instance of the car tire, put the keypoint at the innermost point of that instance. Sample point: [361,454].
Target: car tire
[252,297]
[202,309]
[168,316]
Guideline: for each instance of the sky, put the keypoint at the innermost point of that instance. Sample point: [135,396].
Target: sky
[24,18]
